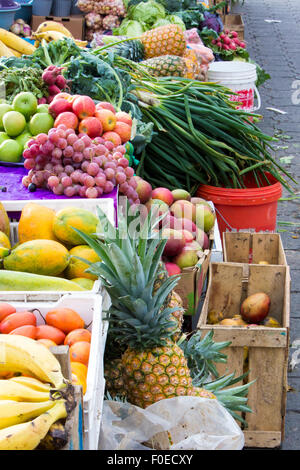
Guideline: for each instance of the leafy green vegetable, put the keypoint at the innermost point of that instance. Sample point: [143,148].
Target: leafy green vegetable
[16,80]
[161,22]
[55,52]
[262,75]
[17,62]
[191,17]
[130,28]
[148,12]
[174,19]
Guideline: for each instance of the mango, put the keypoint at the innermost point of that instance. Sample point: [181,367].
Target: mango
[36,223]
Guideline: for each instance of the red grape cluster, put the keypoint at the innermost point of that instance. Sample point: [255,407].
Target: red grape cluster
[75,165]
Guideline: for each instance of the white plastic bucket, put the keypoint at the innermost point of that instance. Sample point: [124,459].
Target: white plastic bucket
[240,77]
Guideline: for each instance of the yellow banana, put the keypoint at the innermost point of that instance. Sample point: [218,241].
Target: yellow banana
[32,383]
[80,43]
[25,355]
[16,42]
[27,436]
[50,36]
[53,26]
[10,390]
[14,412]
[56,438]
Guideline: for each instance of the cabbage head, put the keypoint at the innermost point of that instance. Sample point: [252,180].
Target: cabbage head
[174,19]
[130,28]
[148,12]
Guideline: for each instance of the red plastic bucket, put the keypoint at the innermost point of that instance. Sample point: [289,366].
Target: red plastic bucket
[253,208]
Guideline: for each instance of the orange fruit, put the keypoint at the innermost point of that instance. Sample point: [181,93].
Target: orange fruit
[81,334]
[80,352]
[65,319]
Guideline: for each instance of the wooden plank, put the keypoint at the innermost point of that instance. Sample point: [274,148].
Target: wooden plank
[251,336]
[62,355]
[265,439]
[265,396]
[265,247]
[236,246]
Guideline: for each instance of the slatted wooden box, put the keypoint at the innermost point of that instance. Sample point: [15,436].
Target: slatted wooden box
[252,247]
[267,347]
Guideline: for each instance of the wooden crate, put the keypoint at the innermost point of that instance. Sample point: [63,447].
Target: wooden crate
[252,247]
[267,347]
[234,23]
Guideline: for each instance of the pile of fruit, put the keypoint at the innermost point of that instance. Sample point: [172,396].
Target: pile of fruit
[254,312]
[53,31]
[186,224]
[84,153]
[62,326]
[35,400]
[48,248]
[19,122]
[12,45]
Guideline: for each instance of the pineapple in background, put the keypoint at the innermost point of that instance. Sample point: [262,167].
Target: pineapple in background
[166,66]
[164,40]
[154,366]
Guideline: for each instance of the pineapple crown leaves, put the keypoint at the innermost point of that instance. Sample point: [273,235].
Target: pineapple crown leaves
[202,354]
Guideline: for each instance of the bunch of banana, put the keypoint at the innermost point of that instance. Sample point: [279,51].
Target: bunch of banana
[27,356]
[33,408]
[54,31]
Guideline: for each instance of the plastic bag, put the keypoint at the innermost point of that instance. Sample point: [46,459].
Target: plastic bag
[181,423]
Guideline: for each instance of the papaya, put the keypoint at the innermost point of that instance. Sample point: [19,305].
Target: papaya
[28,282]
[36,223]
[69,218]
[4,240]
[4,221]
[46,257]
[76,267]
[84,282]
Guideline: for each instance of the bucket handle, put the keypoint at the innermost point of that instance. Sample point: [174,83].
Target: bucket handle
[258,99]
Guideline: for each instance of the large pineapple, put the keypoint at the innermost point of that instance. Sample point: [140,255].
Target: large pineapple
[166,66]
[154,366]
[168,39]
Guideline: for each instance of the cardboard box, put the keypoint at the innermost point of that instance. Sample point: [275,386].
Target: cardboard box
[267,348]
[75,24]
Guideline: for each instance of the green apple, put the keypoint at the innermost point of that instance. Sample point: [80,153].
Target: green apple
[4,108]
[42,108]
[23,138]
[14,123]
[3,137]
[41,123]
[25,103]
[10,151]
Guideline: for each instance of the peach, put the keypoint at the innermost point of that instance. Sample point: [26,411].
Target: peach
[175,243]
[107,118]
[181,194]
[124,117]
[202,239]
[183,209]
[91,126]
[172,269]
[143,189]
[113,137]
[123,130]
[187,258]
[163,194]
[105,105]
[59,106]
[84,107]
[205,217]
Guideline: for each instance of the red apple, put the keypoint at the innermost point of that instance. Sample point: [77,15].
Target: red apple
[69,119]
[163,194]
[112,137]
[59,106]
[83,107]
[107,118]
[123,130]
[91,126]
[124,117]
[105,105]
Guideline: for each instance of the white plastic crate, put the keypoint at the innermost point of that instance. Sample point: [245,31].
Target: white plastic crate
[217,249]
[11,207]
[90,308]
